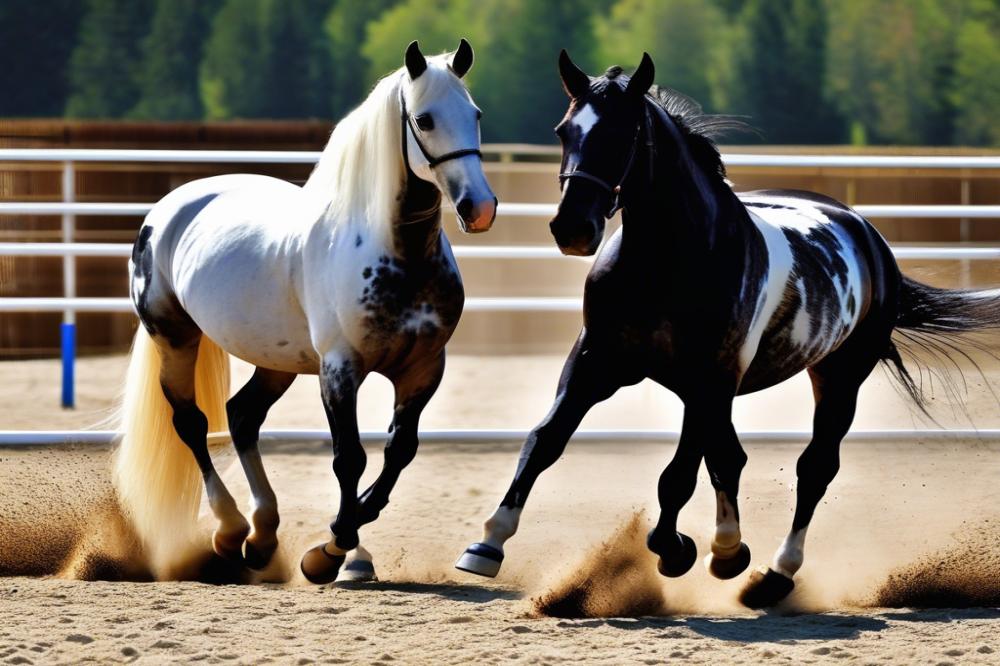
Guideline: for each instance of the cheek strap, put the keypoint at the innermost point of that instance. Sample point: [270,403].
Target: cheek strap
[407,122]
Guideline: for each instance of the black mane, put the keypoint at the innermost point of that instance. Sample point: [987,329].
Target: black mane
[700,129]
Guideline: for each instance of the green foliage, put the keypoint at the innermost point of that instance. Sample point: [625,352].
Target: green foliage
[37,37]
[346,28]
[975,92]
[806,71]
[889,67]
[267,59]
[780,68]
[437,24]
[686,38]
[168,74]
[105,62]
[517,82]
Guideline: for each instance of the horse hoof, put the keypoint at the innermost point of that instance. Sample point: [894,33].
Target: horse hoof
[258,556]
[682,561]
[229,546]
[319,566]
[357,570]
[727,568]
[481,559]
[765,588]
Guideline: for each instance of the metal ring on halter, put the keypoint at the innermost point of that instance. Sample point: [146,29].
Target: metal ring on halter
[431,160]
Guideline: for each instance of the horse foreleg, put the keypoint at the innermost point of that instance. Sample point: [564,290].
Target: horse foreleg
[676,485]
[340,377]
[588,377]
[414,389]
[836,392]
[725,460]
[247,410]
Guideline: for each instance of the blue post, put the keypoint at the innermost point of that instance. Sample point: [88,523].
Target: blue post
[68,334]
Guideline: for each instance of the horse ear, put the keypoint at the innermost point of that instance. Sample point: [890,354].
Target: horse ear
[574,80]
[461,61]
[641,81]
[415,61]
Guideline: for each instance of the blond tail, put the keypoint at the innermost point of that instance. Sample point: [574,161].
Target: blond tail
[158,482]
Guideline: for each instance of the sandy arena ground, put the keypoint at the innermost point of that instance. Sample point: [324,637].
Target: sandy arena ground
[906,525]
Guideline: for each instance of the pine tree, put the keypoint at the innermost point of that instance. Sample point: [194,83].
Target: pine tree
[517,84]
[687,40]
[37,37]
[975,89]
[267,59]
[171,54]
[889,68]
[781,72]
[346,28]
[104,64]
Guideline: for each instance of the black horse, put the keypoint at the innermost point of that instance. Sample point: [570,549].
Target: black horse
[713,295]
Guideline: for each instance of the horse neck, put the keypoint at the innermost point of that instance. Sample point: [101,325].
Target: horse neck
[417,227]
[670,199]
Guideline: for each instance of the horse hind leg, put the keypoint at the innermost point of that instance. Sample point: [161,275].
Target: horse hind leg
[177,379]
[707,431]
[246,412]
[836,382]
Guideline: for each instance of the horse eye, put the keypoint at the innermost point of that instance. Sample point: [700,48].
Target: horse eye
[425,122]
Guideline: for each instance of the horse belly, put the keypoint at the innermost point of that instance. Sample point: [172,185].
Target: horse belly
[253,318]
[238,289]
[821,282]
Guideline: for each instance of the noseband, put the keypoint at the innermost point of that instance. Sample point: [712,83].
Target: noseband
[616,190]
[431,160]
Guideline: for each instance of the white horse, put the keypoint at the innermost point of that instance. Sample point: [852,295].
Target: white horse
[348,275]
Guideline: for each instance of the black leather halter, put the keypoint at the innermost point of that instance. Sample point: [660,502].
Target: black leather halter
[406,121]
[616,190]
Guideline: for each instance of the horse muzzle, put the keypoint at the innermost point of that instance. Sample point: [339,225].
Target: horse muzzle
[574,242]
[476,218]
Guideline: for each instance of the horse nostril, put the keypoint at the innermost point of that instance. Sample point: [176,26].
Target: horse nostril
[464,208]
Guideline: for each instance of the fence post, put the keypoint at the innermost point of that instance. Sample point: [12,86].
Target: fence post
[965,228]
[68,329]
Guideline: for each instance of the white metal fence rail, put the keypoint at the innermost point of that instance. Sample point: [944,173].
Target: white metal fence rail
[68,250]
[297,436]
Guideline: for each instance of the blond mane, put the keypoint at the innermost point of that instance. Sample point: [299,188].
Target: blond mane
[361,170]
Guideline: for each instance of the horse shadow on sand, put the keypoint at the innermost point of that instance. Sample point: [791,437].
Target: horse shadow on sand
[767,628]
[460,592]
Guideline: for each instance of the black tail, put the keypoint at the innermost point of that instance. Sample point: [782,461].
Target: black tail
[936,327]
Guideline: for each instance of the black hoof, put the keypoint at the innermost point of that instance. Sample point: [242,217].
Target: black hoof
[731,567]
[766,588]
[680,562]
[257,558]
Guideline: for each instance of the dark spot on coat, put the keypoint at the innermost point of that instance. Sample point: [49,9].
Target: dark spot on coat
[282,343]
